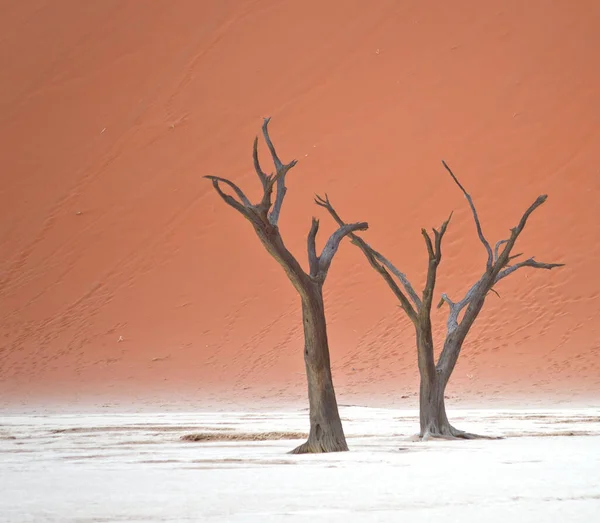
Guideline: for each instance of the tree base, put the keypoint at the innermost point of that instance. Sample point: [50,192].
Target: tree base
[319,446]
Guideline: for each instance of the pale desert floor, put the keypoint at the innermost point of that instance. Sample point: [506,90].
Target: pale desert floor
[134,467]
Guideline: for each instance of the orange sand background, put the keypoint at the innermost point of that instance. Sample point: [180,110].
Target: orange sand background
[111,112]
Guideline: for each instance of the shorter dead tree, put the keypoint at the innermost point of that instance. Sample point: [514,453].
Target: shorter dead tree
[435,375]
[326,432]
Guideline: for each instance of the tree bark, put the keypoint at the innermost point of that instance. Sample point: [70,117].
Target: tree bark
[326,432]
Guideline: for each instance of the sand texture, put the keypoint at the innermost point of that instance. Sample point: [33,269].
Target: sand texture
[122,272]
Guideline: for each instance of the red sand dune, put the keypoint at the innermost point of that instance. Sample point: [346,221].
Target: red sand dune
[123,273]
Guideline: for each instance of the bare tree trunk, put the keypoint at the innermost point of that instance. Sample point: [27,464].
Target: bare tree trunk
[434,421]
[432,409]
[326,432]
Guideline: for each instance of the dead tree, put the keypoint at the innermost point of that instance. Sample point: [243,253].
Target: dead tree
[435,375]
[326,432]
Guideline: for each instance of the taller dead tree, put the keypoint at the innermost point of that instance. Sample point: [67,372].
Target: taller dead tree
[435,375]
[326,432]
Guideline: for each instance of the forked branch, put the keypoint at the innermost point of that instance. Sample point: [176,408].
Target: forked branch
[265,211]
[243,206]
[319,265]
[271,211]
[434,248]
[527,263]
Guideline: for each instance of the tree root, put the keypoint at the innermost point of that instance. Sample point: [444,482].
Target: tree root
[461,434]
[450,433]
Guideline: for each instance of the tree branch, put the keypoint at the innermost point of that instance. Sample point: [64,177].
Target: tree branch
[401,277]
[503,258]
[485,243]
[264,179]
[313,259]
[243,207]
[527,263]
[281,190]
[498,244]
[279,178]
[539,201]
[265,130]
[439,235]
[435,257]
[456,308]
[430,250]
[333,244]
[238,191]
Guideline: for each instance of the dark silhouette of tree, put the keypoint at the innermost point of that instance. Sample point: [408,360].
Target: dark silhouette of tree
[435,375]
[326,432]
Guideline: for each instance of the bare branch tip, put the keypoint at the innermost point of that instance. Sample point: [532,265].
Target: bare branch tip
[447,167]
[322,201]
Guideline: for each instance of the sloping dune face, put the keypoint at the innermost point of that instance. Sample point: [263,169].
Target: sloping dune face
[122,271]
